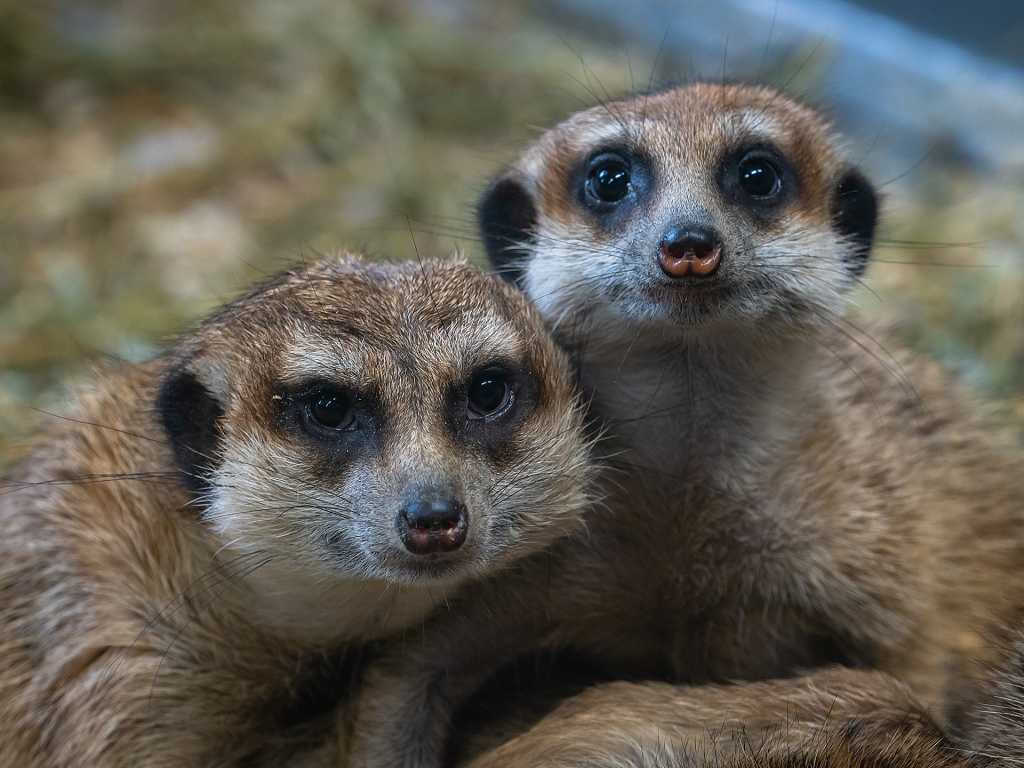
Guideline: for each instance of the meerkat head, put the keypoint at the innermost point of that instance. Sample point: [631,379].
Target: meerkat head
[408,423]
[687,210]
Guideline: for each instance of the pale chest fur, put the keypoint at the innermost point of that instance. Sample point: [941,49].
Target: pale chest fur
[698,414]
[342,612]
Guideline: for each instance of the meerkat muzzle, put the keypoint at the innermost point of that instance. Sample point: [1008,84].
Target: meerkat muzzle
[692,251]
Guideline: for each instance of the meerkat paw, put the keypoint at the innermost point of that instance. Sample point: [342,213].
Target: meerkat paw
[400,722]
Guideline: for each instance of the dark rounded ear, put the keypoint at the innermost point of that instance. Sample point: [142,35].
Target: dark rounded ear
[191,416]
[507,218]
[855,214]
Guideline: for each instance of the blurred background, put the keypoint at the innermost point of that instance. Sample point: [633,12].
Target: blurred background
[158,155]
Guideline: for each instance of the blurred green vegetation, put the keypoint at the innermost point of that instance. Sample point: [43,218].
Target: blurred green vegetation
[155,157]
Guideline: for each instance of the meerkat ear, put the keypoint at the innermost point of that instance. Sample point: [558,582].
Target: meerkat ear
[507,216]
[191,415]
[855,213]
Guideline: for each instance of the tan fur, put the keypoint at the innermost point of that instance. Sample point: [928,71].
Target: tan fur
[992,722]
[786,491]
[141,625]
[837,718]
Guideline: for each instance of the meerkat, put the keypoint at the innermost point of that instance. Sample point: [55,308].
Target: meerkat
[185,559]
[784,494]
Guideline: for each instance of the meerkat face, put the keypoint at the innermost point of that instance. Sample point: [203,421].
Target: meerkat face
[692,208]
[411,424]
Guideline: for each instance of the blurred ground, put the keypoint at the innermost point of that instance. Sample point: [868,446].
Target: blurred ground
[155,157]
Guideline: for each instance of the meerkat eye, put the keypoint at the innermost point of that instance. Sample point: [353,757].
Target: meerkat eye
[331,410]
[759,177]
[608,180]
[490,394]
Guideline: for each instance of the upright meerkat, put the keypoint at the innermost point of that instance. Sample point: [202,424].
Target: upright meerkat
[787,495]
[185,557]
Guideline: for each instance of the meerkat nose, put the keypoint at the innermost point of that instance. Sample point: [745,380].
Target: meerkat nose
[430,525]
[690,251]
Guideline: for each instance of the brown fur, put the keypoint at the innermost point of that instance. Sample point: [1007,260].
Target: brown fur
[134,631]
[991,723]
[836,718]
[786,492]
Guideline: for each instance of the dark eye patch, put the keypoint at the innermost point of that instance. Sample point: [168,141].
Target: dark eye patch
[326,414]
[330,410]
[608,180]
[487,408]
[610,183]
[491,394]
[758,178]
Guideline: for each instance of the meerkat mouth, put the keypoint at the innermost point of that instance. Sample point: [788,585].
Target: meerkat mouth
[691,302]
[673,293]
[439,570]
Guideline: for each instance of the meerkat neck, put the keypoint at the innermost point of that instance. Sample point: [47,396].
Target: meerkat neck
[721,413]
[342,612]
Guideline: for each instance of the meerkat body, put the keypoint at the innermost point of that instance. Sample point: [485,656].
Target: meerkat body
[188,555]
[787,493]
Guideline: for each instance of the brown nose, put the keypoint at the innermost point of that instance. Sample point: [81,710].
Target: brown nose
[433,525]
[690,252]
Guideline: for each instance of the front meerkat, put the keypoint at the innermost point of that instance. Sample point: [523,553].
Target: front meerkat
[787,496]
[184,559]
